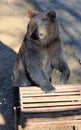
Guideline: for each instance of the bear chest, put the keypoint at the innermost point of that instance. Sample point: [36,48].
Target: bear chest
[46,63]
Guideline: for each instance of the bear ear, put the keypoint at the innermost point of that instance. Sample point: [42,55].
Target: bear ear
[52,15]
[31,14]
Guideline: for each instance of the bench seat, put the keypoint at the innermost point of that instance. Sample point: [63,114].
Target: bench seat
[34,109]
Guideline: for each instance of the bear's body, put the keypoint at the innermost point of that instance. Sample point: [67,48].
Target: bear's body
[40,53]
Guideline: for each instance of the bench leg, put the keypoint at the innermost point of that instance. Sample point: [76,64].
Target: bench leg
[73,127]
[15,119]
[16,104]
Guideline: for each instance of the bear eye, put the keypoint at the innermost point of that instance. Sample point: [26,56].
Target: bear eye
[34,26]
[45,21]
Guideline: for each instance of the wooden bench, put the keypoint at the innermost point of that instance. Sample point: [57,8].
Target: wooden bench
[35,110]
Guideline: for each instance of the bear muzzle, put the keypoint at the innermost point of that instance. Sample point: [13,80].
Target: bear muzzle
[37,35]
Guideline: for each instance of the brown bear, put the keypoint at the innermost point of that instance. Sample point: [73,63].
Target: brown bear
[40,53]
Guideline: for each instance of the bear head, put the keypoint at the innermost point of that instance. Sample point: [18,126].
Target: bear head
[42,27]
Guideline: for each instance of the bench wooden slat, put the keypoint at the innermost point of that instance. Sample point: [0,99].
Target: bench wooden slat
[59,88]
[46,125]
[25,94]
[51,99]
[25,104]
[50,109]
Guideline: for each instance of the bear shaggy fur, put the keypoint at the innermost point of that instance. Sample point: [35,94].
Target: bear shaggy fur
[40,53]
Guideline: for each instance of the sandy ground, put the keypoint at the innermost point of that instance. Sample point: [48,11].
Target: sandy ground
[13,23]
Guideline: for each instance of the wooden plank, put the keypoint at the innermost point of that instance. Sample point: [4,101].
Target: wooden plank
[25,104]
[65,85]
[62,85]
[51,99]
[52,124]
[50,109]
[58,89]
[55,93]
[25,94]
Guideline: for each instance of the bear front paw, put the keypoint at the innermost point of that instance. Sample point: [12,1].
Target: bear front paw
[49,89]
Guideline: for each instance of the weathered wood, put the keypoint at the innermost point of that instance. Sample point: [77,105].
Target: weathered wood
[24,94]
[52,99]
[62,87]
[30,105]
[41,110]
[51,124]
[49,109]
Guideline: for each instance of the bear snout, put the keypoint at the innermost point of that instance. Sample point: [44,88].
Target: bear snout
[37,35]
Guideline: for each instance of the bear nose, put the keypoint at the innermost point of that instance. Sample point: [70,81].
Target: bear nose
[41,35]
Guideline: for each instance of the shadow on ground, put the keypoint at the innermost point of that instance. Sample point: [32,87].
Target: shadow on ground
[7,57]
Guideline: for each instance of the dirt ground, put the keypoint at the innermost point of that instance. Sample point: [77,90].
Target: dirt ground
[13,23]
